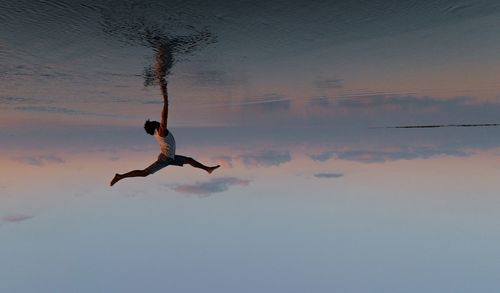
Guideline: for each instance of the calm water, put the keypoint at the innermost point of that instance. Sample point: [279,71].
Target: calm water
[294,100]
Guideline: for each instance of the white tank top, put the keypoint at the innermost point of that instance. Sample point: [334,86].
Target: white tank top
[167,144]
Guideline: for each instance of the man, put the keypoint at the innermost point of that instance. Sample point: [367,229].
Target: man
[167,145]
[162,134]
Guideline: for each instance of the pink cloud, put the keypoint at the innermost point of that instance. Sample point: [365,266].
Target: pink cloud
[267,158]
[328,175]
[40,160]
[216,185]
[16,218]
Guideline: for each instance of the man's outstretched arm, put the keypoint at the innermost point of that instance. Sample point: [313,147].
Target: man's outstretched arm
[164,112]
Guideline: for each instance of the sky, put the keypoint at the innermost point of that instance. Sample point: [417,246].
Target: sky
[299,102]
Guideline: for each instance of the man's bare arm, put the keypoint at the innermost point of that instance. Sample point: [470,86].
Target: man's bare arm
[164,112]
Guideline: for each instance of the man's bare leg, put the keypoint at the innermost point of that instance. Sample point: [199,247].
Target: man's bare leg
[134,173]
[199,165]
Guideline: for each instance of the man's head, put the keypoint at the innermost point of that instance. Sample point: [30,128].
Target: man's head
[151,126]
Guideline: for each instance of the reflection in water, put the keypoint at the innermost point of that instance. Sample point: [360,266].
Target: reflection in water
[168,50]
[171,38]
[66,47]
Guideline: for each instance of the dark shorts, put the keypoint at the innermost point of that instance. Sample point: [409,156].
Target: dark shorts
[164,161]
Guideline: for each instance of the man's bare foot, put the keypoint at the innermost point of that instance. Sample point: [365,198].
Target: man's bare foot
[211,169]
[115,179]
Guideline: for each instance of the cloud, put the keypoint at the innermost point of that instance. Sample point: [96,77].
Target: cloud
[216,185]
[271,103]
[369,156]
[59,110]
[409,108]
[16,218]
[382,110]
[39,160]
[322,102]
[401,102]
[383,156]
[328,175]
[49,109]
[322,157]
[266,158]
[328,83]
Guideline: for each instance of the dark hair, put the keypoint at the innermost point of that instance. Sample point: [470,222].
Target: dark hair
[151,126]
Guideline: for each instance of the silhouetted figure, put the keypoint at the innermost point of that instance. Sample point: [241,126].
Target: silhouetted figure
[159,130]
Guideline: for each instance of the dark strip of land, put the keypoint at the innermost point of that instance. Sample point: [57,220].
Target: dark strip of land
[446,125]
